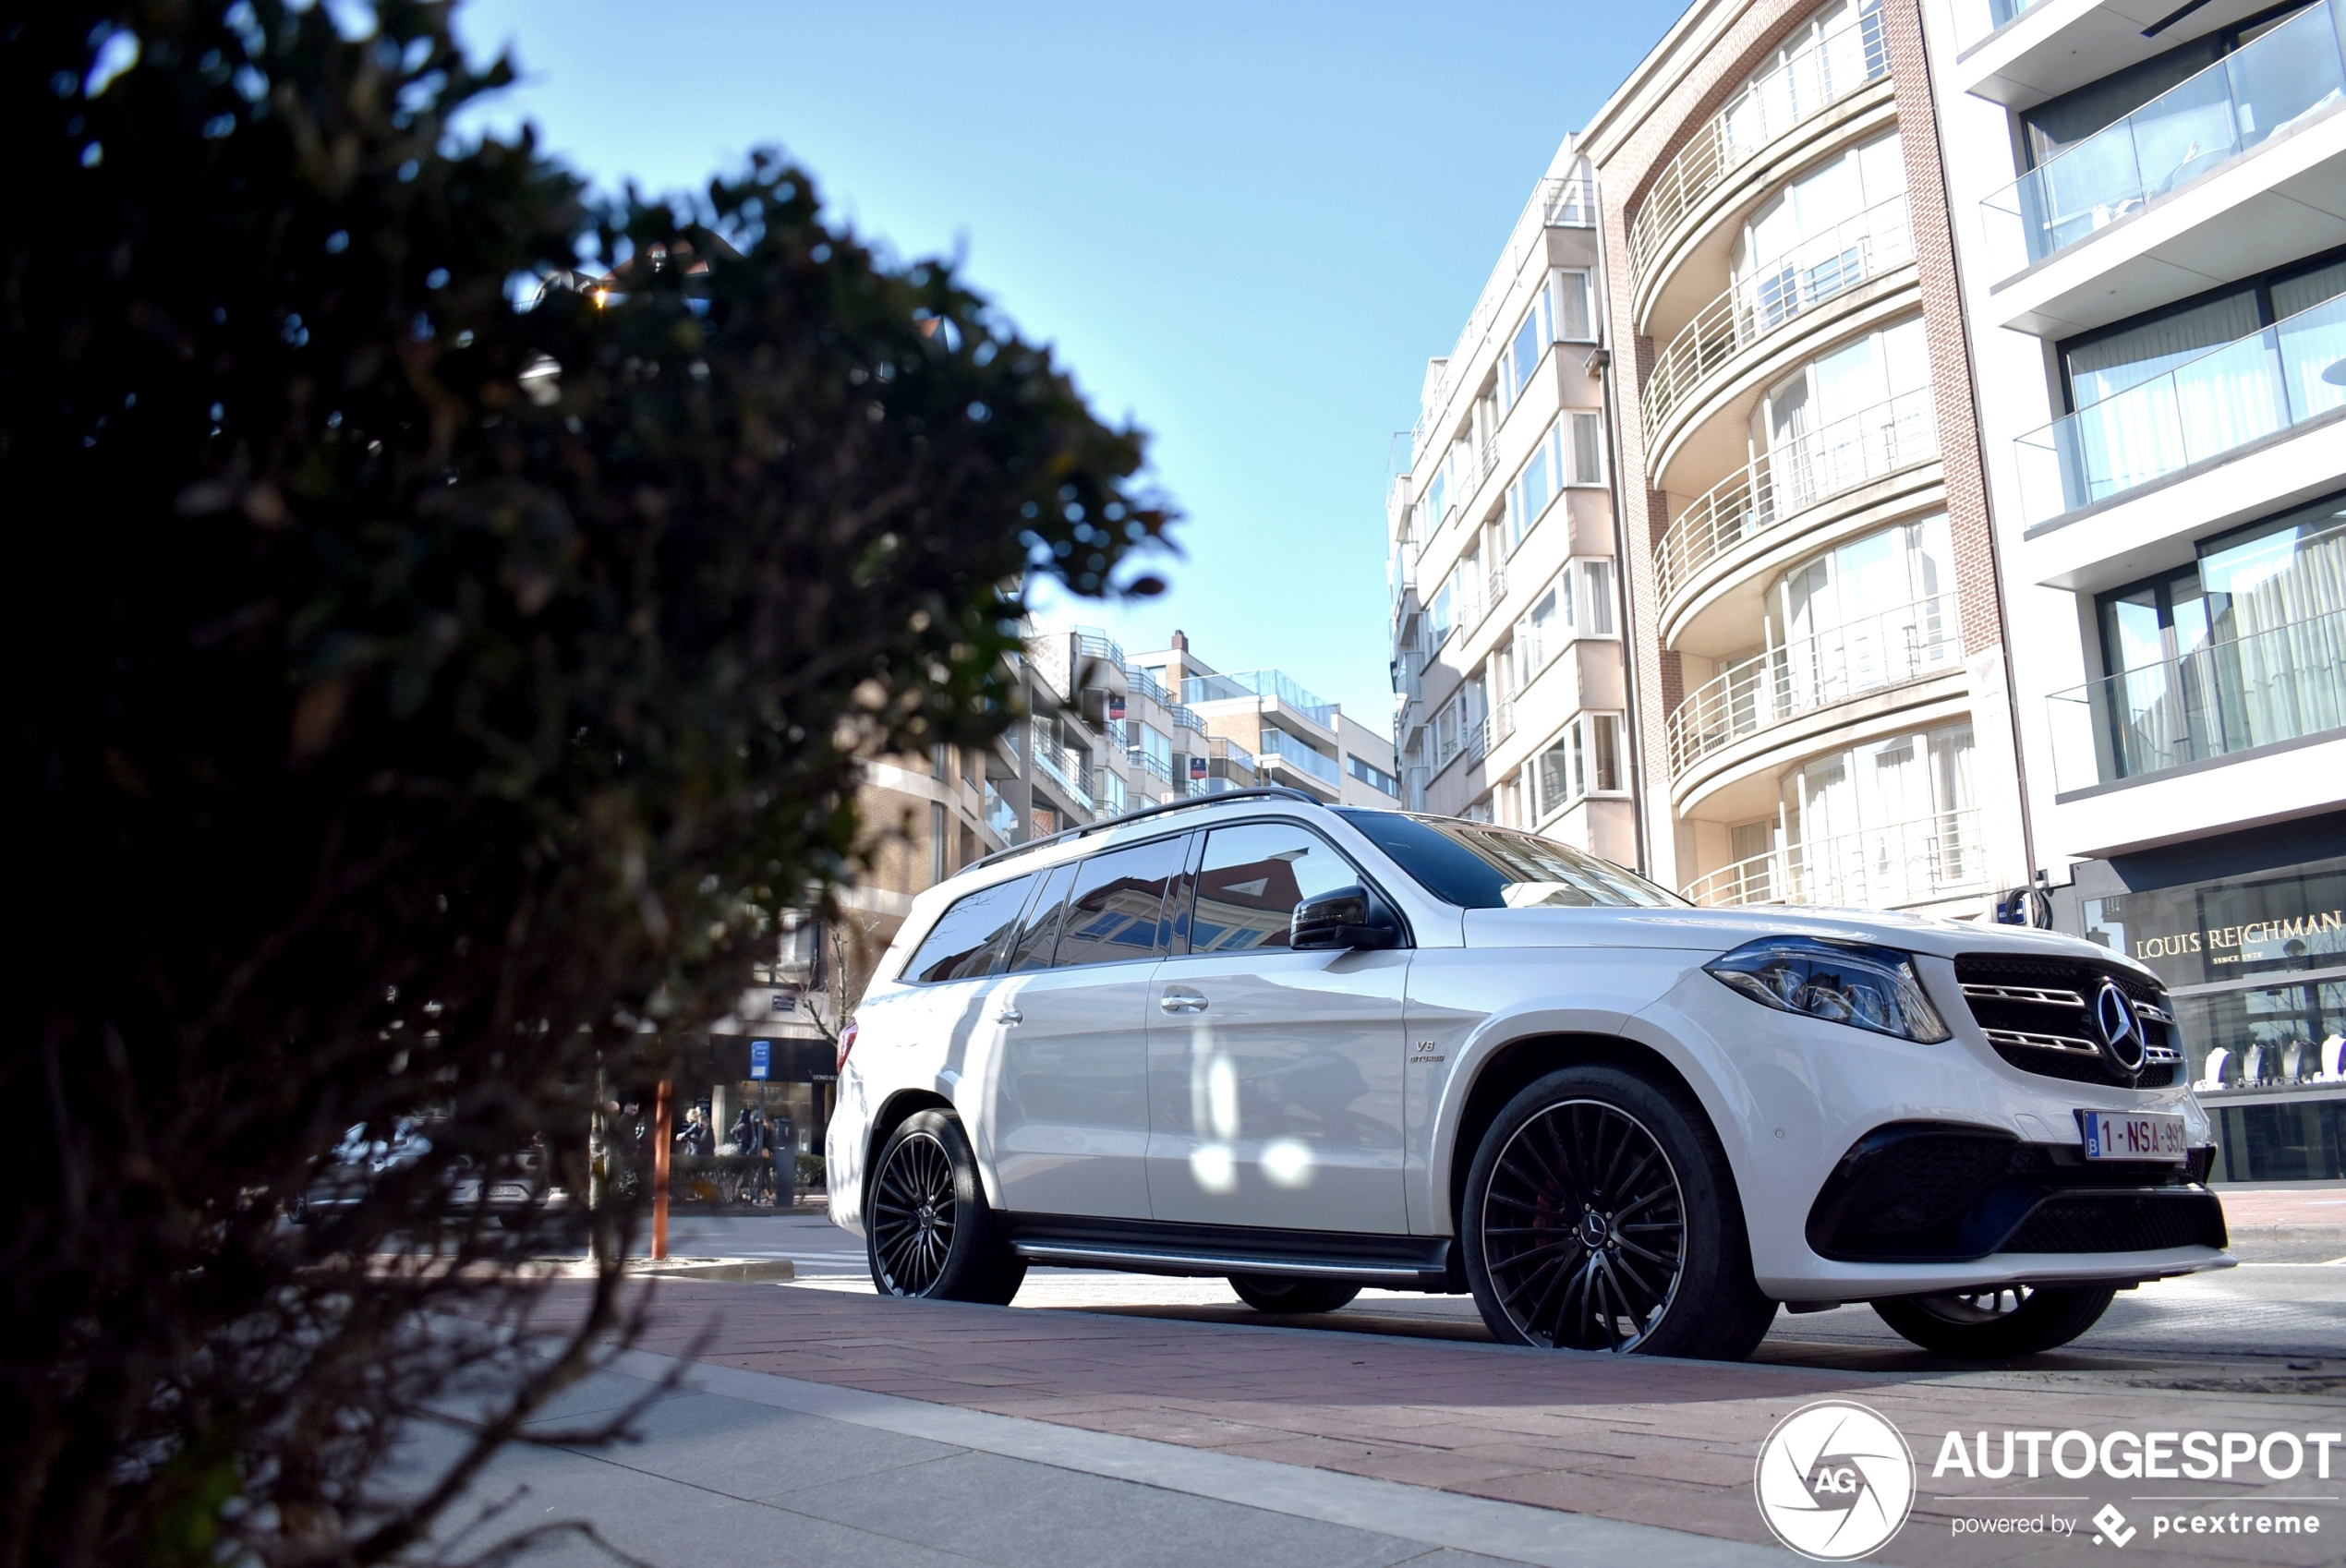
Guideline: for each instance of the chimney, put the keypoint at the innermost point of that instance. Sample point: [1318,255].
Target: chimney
[1180,641]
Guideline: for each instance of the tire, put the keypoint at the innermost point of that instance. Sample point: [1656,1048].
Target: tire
[1268,1293]
[1996,1324]
[929,1233]
[1600,1214]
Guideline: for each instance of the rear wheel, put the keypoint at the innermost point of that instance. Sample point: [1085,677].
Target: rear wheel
[2016,1320]
[930,1232]
[1600,1215]
[1266,1293]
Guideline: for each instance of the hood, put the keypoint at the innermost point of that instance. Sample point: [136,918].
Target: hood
[1716,930]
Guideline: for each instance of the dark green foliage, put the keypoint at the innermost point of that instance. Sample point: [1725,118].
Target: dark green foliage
[428,687]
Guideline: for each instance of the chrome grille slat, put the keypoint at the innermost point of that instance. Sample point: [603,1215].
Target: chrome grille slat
[2048,997]
[2034,1042]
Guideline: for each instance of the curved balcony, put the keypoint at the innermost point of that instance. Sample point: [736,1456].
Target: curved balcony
[1844,60]
[1812,672]
[1820,269]
[1889,867]
[1832,460]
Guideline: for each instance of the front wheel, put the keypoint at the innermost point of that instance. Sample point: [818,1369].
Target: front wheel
[2016,1320]
[931,1232]
[1268,1294]
[1600,1215]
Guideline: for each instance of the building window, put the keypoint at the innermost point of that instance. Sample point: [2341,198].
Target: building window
[1812,239]
[940,760]
[2058,124]
[1562,310]
[1596,598]
[1576,312]
[1586,448]
[1585,759]
[1370,773]
[2099,366]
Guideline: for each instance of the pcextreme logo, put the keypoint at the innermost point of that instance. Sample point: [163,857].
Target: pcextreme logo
[1834,1480]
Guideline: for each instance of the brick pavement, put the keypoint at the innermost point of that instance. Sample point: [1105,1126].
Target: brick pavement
[1649,1441]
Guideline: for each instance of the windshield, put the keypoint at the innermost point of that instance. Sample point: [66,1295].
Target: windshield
[1497,868]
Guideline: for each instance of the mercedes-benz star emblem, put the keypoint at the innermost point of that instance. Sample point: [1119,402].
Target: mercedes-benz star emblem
[2121,1031]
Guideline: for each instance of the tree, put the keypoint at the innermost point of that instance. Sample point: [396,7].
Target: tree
[430,684]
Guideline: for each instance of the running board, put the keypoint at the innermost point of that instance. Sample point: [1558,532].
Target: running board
[1393,1262]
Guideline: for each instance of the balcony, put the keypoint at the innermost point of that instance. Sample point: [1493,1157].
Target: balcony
[2285,78]
[1274,685]
[2281,685]
[1001,817]
[1883,868]
[1844,60]
[1060,767]
[1854,251]
[1975,19]
[2290,374]
[1281,747]
[1812,672]
[1827,462]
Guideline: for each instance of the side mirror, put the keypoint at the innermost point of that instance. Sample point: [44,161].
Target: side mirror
[1347,918]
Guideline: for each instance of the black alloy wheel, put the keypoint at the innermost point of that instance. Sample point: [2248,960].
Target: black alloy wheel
[1584,1228]
[1600,1215]
[931,1234]
[1268,1293]
[2012,1320]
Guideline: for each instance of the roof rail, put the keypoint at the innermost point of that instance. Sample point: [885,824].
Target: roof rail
[1258,791]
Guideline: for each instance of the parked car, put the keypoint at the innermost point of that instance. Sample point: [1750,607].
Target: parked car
[1315,1049]
[363,1158]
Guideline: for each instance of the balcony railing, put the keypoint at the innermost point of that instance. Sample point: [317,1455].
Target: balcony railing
[1975,19]
[1001,817]
[2280,684]
[1812,672]
[1275,683]
[1149,763]
[1904,862]
[1279,746]
[1852,252]
[1825,462]
[2292,372]
[1844,60]
[1144,684]
[2252,94]
[1066,772]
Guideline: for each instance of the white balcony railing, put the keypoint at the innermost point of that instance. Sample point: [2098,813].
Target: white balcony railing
[1281,747]
[1815,672]
[1060,766]
[1842,61]
[1854,251]
[1883,868]
[1825,463]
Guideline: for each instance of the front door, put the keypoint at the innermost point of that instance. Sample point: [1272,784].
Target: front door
[1274,1077]
[1068,1125]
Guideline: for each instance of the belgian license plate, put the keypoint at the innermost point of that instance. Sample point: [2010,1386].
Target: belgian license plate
[2133,1135]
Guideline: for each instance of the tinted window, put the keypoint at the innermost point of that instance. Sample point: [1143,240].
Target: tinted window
[971,935]
[1252,879]
[1041,932]
[1119,899]
[1494,868]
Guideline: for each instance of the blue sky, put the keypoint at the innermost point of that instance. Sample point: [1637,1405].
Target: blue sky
[1244,226]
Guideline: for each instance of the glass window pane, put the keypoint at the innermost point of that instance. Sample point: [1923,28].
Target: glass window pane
[971,935]
[1039,936]
[1253,877]
[2304,293]
[1588,449]
[1118,898]
[2110,365]
[1573,313]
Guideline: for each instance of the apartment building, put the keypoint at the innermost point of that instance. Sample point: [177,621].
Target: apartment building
[1822,706]
[2149,205]
[1263,727]
[1508,665]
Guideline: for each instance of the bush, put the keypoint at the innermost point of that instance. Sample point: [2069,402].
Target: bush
[432,684]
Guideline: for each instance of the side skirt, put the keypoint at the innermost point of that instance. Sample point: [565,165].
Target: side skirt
[1388,1262]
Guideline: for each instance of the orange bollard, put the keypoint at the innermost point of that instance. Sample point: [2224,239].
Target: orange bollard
[659,1173]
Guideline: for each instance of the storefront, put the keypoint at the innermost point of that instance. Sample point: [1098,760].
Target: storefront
[2249,933]
[794,1081]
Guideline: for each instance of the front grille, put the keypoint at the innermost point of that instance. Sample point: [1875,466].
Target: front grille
[2037,1013]
[2120,1221]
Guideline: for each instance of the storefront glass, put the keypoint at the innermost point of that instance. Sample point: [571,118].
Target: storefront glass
[2257,965]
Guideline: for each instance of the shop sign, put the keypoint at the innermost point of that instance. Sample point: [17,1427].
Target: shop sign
[2255,941]
[761,1058]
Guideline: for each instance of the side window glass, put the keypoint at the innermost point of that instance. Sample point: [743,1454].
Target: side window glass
[971,935]
[1118,895]
[1252,879]
[1041,932]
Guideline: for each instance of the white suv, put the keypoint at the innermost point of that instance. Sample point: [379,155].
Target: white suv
[1314,1049]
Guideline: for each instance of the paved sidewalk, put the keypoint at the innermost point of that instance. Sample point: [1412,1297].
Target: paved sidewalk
[1664,1444]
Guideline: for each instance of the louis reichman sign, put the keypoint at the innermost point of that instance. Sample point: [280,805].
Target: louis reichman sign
[2253,941]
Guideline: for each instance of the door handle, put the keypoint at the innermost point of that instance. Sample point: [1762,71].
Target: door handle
[1010,1015]
[1179,1002]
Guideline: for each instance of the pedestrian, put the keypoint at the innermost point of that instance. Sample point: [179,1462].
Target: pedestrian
[751,1140]
[692,1138]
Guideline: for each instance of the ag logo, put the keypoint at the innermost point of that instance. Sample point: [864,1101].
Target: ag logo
[1834,1480]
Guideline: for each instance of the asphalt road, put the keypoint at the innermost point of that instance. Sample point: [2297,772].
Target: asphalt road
[2282,1309]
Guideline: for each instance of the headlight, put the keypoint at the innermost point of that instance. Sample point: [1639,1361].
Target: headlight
[1871,988]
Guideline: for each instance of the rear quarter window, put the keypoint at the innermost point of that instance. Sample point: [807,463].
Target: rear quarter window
[973,933]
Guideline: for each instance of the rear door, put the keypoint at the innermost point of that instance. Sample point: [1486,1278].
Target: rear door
[1274,1077]
[1069,1107]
